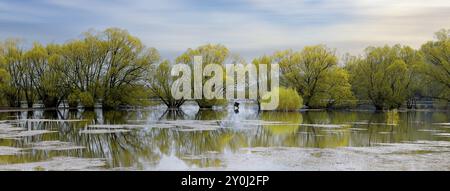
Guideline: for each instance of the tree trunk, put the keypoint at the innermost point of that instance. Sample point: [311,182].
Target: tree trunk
[378,107]
[50,102]
[30,104]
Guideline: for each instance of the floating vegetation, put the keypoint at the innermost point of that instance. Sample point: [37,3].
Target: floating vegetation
[16,134]
[334,131]
[430,130]
[209,125]
[9,150]
[103,131]
[256,149]
[386,132]
[406,147]
[4,125]
[51,120]
[400,156]
[117,126]
[140,121]
[206,155]
[195,129]
[55,146]
[370,123]
[323,125]
[190,125]
[192,122]
[162,126]
[358,129]
[277,141]
[442,134]
[58,164]
[32,133]
[443,124]
[10,129]
[8,122]
[262,122]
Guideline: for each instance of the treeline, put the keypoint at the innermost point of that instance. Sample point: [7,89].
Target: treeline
[114,68]
[111,67]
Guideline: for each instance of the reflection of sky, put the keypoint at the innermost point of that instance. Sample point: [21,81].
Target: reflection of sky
[170,149]
[249,27]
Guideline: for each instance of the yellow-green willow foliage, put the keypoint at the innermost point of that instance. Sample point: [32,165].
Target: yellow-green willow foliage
[263,60]
[110,67]
[289,100]
[211,54]
[436,65]
[33,74]
[4,77]
[313,72]
[385,75]
[13,62]
[44,81]
[159,84]
[114,68]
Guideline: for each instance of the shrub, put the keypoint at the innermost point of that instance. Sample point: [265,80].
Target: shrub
[289,100]
[73,100]
[86,99]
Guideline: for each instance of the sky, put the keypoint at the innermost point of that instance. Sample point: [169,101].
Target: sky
[249,28]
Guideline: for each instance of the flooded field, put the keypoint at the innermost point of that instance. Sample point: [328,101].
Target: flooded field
[192,139]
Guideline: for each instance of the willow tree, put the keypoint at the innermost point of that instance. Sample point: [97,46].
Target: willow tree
[211,54]
[336,90]
[160,83]
[436,65]
[13,62]
[4,78]
[111,66]
[263,60]
[83,66]
[46,81]
[314,74]
[127,63]
[385,75]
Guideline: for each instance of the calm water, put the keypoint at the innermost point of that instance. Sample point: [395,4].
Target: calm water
[155,139]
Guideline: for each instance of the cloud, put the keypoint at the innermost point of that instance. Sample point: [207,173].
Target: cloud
[248,27]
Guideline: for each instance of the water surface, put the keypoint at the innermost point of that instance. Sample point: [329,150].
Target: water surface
[191,139]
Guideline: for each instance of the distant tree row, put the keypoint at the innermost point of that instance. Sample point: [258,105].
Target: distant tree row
[110,66]
[114,68]
[392,76]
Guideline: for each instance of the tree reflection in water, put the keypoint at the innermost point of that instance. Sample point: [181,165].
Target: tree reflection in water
[145,148]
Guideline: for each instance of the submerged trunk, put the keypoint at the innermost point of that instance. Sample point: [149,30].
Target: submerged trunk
[173,104]
[173,114]
[29,104]
[411,103]
[72,103]
[378,107]
[50,102]
[205,104]
[13,100]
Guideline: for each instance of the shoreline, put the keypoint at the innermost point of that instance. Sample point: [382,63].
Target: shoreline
[18,109]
